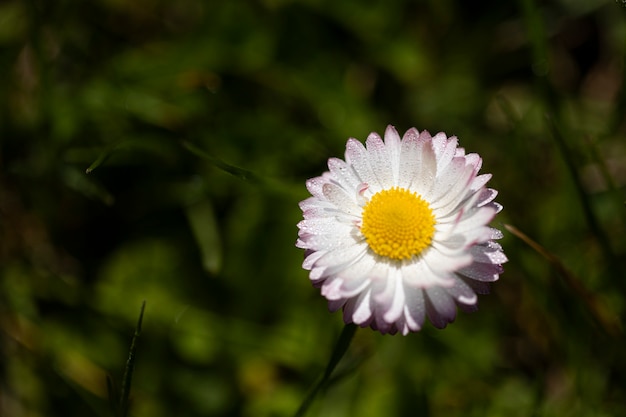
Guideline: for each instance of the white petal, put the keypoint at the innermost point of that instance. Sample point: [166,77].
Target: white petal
[325,226]
[361,269]
[418,275]
[440,262]
[325,242]
[352,288]
[476,219]
[344,255]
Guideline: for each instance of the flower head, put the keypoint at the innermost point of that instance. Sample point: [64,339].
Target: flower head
[399,231]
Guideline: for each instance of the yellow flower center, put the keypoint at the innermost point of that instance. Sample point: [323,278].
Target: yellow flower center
[397,223]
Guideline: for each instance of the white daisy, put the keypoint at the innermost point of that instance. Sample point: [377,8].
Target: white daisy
[399,231]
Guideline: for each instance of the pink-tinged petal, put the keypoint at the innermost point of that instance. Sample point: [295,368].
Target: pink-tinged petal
[389,295]
[482,272]
[312,208]
[383,286]
[463,293]
[335,305]
[479,287]
[439,142]
[410,158]
[338,287]
[474,160]
[331,287]
[440,307]
[496,206]
[379,160]
[396,307]
[445,149]
[451,184]
[415,308]
[359,310]
[319,274]
[310,259]
[425,179]
[314,186]
[489,252]
[358,157]
[468,308]
[425,138]
[487,195]
[341,199]
[419,275]
[383,326]
[496,234]
[403,326]
[343,174]
[354,277]
[394,147]
[480,181]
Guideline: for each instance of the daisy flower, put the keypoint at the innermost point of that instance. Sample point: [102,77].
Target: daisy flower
[399,231]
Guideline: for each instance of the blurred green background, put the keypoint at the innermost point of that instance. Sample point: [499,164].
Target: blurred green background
[156,150]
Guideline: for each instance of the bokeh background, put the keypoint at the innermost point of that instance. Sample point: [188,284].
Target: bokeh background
[156,150]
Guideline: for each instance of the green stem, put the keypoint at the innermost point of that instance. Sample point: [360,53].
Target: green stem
[340,349]
[130,366]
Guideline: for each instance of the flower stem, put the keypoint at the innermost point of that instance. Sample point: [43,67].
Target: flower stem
[341,347]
